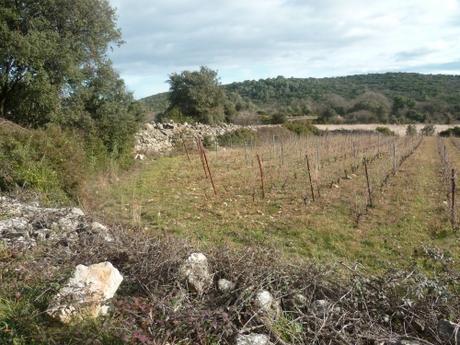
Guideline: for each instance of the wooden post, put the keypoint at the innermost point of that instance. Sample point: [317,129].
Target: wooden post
[394,158]
[368,184]
[209,170]
[309,177]
[200,152]
[261,171]
[453,217]
[186,150]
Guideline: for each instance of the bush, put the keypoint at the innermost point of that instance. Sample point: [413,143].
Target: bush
[278,118]
[50,161]
[302,128]
[411,130]
[451,132]
[385,131]
[428,130]
[240,136]
[209,141]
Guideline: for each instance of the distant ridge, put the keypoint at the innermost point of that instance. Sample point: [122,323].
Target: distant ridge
[385,97]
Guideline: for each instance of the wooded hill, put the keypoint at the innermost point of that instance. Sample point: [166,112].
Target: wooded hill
[386,98]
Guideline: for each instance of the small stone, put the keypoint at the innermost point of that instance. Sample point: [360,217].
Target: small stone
[299,300]
[225,285]
[195,271]
[253,339]
[77,211]
[268,304]
[320,307]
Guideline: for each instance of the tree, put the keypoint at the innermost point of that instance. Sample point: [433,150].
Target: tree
[103,108]
[44,47]
[54,68]
[198,95]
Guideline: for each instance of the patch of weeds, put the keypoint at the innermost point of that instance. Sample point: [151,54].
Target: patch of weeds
[288,329]
[239,137]
[23,321]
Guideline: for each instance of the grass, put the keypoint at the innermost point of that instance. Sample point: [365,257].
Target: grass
[171,196]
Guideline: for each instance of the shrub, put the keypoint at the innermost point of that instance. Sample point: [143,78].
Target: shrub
[411,130]
[428,130]
[238,137]
[50,161]
[385,131]
[451,132]
[278,118]
[209,141]
[302,128]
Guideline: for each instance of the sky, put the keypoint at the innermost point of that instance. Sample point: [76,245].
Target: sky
[254,39]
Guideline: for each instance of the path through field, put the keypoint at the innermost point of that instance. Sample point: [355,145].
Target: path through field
[411,217]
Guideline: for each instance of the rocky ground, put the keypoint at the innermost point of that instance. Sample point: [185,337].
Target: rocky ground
[163,291]
[160,138]
[25,225]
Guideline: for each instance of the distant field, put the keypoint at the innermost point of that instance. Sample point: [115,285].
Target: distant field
[407,218]
[398,129]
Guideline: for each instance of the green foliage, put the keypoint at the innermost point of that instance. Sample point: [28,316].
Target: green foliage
[451,132]
[51,161]
[369,98]
[240,136]
[302,128]
[198,95]
[411,130]
[54,69]
[385,131]
[103,108]
[278,118]
[209,142]
[158,103]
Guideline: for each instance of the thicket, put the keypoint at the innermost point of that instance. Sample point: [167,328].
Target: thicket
[451,132]
[302,128]
[58,84]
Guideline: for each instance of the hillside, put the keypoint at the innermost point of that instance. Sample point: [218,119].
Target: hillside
[389,97]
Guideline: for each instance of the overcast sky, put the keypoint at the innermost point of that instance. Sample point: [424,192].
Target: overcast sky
[253,39]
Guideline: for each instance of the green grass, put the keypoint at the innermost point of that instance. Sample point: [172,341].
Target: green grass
[170,195]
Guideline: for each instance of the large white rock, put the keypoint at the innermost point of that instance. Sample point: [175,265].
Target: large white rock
[195,271]
[253,339]
[86,293]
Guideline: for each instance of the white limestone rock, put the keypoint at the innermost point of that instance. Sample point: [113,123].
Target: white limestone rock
[195,271]
[253,339]
[86,293]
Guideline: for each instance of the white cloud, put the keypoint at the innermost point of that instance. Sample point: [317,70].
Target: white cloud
[263,38]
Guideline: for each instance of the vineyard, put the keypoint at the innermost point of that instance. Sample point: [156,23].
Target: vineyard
[360,197]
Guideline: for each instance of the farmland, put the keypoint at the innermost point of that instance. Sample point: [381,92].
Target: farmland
[377,200]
